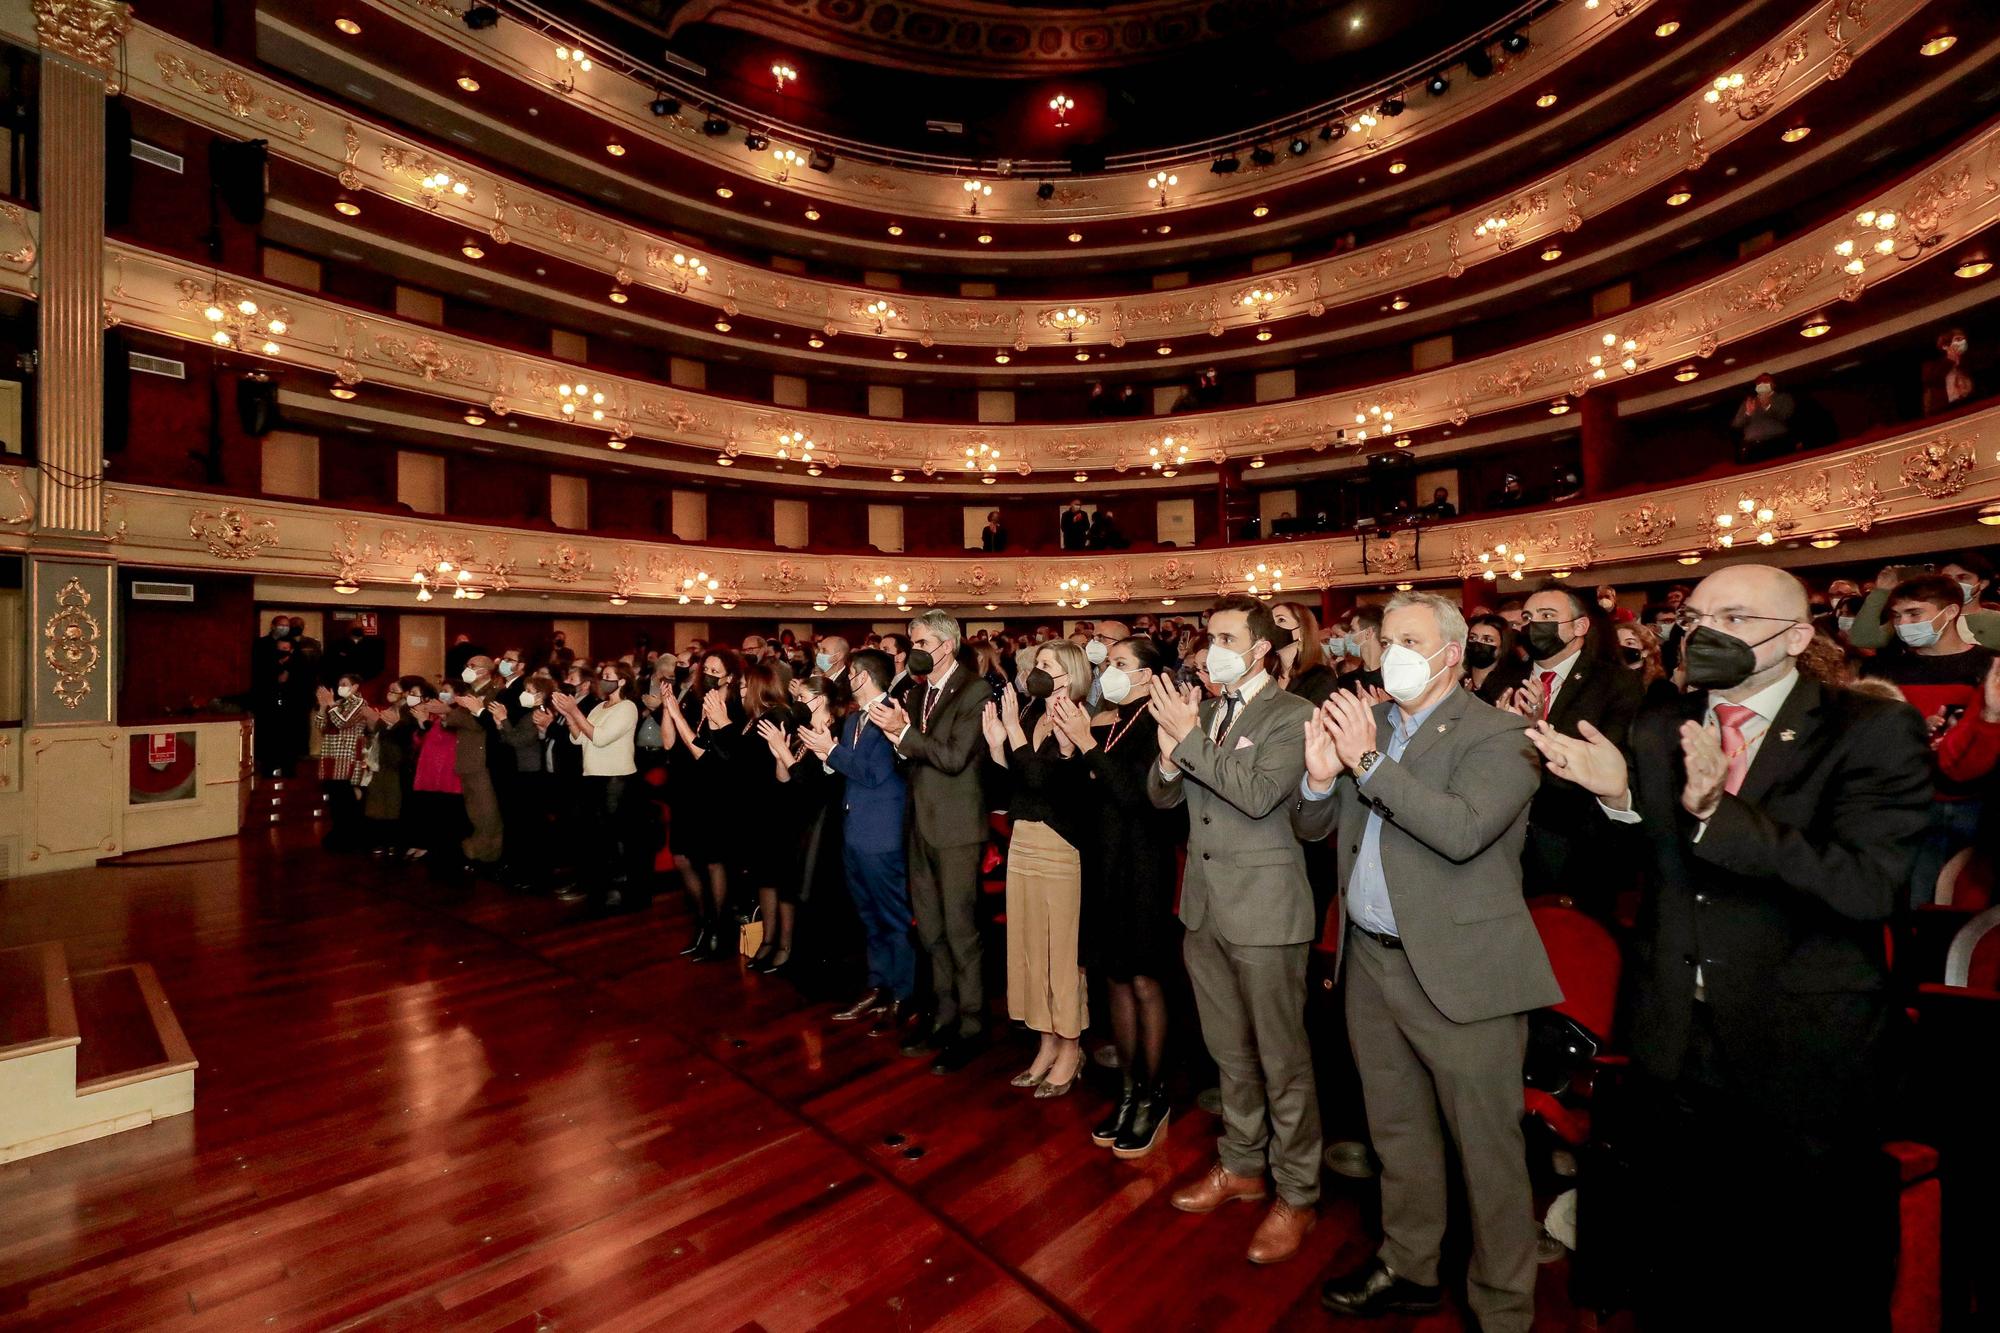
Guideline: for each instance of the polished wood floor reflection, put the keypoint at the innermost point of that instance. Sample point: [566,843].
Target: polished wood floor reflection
[426,1107]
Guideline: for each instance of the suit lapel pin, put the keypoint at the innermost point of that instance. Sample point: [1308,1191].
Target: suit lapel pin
[1441,727]
[1787,734]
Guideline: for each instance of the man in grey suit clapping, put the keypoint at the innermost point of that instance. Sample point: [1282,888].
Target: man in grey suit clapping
[1429,797]
[1236,761]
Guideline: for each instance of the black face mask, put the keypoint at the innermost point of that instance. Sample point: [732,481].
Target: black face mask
[1479,655]
[1545,639]
[1718,661]
[1040,684]
[919,662]
[1283,638]
[1633,656]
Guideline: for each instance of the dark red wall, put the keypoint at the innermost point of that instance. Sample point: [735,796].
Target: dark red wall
[162,673]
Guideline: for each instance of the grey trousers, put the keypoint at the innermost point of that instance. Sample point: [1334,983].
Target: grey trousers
[944,896]
[1415,1062]
[1252,1001]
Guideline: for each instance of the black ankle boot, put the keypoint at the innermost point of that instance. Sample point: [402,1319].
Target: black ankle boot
[1147,1127]
[1108,1129]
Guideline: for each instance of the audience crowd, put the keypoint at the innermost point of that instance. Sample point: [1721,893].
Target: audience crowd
[1742,780]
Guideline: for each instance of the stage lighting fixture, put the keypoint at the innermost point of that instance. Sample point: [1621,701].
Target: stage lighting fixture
[1478,63]
[821,160]
[1045,191]
[714,125]
[478,16]
[755,142]
[1439,85]
[1515,42]
[1299,145]
[1393,106]
[664,103]
[1332,130]
[1262,155]
[1225,164]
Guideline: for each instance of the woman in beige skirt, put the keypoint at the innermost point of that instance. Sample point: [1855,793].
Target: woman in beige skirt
[1049,797]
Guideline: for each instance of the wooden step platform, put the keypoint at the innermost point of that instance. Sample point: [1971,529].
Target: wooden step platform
[84,1055]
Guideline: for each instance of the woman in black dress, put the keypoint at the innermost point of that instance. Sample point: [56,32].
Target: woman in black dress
[1302,665]
[764,827]
[699,797]
[1131,872]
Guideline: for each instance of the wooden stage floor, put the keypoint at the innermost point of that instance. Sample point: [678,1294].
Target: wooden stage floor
[427,1107]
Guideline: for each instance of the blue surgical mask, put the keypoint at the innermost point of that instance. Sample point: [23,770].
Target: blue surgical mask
[1338,646]
[1845,623]
[824,660]
[445,696]
[1920,634]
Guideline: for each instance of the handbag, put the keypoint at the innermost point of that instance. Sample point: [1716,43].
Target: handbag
[750,935]
[650,737]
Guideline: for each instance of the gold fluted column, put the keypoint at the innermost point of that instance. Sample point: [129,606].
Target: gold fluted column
[79,41]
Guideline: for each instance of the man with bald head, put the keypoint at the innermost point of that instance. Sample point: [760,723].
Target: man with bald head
[1777,819]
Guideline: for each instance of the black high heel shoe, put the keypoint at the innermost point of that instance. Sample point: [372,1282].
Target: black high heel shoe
[773,962]
[698,943]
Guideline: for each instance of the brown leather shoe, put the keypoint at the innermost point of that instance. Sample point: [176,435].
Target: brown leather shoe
[1280,1234]
[1216,1188]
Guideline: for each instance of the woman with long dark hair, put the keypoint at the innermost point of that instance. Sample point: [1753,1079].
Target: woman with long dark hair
[1493,665]
[1302,666]
[764,825]
[1132,937]
[700,798]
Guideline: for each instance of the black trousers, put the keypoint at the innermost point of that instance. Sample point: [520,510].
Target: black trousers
[609,842]
[526,811]
[1721,1219]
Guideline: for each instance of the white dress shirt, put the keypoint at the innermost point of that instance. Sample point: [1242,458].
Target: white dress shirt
[1562,670]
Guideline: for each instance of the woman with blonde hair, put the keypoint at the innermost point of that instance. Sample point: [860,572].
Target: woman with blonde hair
[1049,804]
[1639,650]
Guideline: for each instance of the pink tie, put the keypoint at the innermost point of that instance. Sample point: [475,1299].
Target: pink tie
[1735,748]
[1548,692]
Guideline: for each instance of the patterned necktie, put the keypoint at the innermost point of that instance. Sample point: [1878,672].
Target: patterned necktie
[1230,700]
[1548,692]
[1735,748]
[930,702]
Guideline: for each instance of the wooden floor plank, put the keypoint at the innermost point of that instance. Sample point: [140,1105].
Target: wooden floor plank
[443,1107]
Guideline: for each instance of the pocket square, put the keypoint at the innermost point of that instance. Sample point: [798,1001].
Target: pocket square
[1244,743]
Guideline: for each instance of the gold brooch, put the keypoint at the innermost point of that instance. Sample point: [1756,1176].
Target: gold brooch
[1787,734]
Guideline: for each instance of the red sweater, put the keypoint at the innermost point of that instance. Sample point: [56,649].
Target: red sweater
[1948,690]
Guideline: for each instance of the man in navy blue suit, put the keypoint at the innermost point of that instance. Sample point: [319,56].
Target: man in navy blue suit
[873,856]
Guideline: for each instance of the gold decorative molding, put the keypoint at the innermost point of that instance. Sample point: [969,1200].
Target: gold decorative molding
[1695,322]
[1647,525]
[24,512]
[86,32]
[1939,468]
[70,638]
[198,85]
[230,533]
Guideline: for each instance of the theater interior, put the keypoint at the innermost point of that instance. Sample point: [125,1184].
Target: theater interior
[657,323]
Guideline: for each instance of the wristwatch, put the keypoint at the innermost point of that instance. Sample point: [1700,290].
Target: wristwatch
[1366,762]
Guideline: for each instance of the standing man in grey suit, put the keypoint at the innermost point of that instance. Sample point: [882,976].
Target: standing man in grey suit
[939,736]
[1237,761]
[1429,795]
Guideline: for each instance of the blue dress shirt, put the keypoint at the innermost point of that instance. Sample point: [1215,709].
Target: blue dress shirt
[1367,887]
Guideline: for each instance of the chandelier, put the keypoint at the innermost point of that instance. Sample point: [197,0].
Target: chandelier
[787,158]
[1260,299]
[982,456]
[440,183]
[887,586]
[581,397]
[685,270]
[1376,418]
[1506,556]
[1160,181]
[1168,455]
[795,441]
[432,579]
[1256,580]
[881,312]
[1062,104]
[784,75]
[1876,236]
[975,191]
[240,322]
[1073,591]
[1753,520]
[1626,354]
[699,584]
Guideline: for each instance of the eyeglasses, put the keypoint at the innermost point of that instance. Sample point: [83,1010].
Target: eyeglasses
[1690,619]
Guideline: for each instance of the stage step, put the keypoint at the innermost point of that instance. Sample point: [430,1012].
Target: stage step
[283,802]
[86,1054]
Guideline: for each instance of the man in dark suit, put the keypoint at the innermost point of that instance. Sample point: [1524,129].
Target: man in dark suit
[872,850]
[1429,795]
[1570,683]
[939,736]
[1235,761]
[1075,527]
[1778,819]
[901,682]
